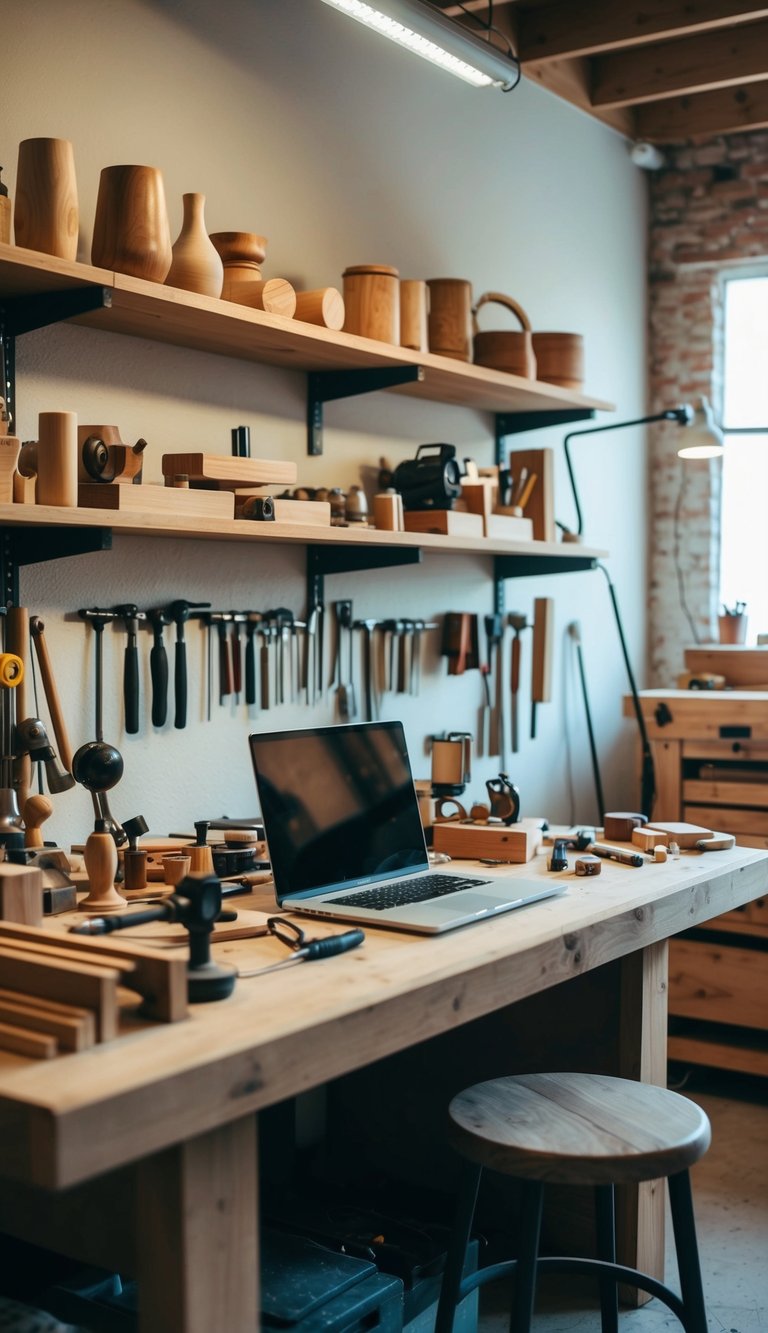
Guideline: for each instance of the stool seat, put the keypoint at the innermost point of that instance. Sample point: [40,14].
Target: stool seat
[577,1129]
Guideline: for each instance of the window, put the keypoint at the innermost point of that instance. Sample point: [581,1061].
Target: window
[744,533]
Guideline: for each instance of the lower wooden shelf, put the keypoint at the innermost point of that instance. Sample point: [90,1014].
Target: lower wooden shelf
[718,1046]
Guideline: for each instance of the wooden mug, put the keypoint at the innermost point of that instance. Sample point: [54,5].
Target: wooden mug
[450,318]
[560,359]
[57,459]
[130,231]
[46,214]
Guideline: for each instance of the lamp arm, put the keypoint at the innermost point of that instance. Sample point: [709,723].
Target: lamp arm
[647,776]
[680,414]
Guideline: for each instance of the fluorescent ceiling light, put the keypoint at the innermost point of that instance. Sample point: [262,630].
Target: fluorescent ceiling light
[421,29]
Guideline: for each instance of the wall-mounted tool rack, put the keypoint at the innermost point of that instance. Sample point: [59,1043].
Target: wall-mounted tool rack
[36,290]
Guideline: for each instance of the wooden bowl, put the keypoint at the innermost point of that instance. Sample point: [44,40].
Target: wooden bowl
[240,247]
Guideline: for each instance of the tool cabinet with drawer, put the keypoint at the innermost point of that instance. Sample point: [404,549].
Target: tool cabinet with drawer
[710,753]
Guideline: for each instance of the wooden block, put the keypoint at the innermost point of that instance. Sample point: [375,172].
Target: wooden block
[685,835]
[38,1045]
[618,824]
[516,843]
[540,507]
[154,500]
[21,894]
[24,489]
[447,522]
[317,513]
[229,473]
[647,838]
[745,668]
[542,651]
[507,528]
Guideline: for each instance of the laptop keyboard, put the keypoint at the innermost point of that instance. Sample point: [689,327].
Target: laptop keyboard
[404,891]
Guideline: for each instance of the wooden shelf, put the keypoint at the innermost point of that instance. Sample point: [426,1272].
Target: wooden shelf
[50,517]
[165,314]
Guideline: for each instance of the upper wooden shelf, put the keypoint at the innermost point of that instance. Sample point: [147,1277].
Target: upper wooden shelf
[165,314]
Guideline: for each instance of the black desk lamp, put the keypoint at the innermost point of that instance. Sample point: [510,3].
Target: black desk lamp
[705,440]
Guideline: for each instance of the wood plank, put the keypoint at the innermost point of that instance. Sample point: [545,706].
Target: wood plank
[741,751]
[228,472]
[19,1041]
[753,822]
[666,763]
[687,715]
[76,983]
[160,979]
[726,793]
[73,1033]
[562,29]
[148,501]
[718,982]
[21,894]
[703,1050]
[745,668]
[674,69]
[701,115]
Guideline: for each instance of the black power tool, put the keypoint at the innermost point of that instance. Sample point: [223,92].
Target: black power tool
[431,480]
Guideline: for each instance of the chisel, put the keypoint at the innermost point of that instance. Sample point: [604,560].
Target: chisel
[518,623]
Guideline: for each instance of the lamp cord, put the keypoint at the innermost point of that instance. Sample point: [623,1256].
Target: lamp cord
[489,27]
[676,556]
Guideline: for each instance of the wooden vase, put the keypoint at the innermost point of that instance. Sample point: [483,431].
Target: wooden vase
[130,230]
[46,215]
[242,254]
[450,318]
[372,302]
[196,265]
[57,459]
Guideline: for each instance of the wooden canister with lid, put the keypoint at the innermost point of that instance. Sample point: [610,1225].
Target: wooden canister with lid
[450,317]
[372,302]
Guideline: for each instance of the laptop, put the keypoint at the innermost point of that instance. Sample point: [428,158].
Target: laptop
[345,838]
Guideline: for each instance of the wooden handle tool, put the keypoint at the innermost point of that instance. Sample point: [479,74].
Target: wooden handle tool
[17,642]
[541,671]
[37,631]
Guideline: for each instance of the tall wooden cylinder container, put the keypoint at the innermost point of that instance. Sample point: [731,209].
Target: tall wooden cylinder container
[57,459]
[450,318]
[414,312]
[196,265]
[130,230]
[372,302]
[46,215]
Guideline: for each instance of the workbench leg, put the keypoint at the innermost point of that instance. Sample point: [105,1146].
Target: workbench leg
[197,1242]
[643,1056]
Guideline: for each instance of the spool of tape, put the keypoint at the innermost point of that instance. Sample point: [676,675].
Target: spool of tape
[618,825]
[588,865]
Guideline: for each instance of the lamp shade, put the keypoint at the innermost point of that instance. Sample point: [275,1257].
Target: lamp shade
[703,437]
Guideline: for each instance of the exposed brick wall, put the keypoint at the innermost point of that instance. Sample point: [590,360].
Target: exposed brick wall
[708,214]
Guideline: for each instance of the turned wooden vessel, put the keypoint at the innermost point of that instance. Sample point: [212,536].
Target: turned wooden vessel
[46,215]
[57,459]
[450,318]
[324,306]
[560,359]
[130,230]
[196,265]
[372,302]
[414,314]
[242,254]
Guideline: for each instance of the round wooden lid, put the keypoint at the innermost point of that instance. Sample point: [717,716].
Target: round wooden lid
[382,269]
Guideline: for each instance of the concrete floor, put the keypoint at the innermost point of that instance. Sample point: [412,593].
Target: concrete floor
[731,1199]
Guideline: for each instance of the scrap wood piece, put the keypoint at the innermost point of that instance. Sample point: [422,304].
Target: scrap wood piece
[73,1028]
[160,979]
[56,978]
[38,1045]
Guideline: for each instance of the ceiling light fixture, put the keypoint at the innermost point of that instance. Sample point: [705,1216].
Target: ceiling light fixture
[426,32]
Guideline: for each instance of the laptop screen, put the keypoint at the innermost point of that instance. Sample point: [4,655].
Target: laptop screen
[339,806]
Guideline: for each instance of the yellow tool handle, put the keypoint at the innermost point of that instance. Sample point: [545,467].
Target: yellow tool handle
[11,670]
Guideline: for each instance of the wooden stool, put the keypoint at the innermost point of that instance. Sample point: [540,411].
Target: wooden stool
[576,1129]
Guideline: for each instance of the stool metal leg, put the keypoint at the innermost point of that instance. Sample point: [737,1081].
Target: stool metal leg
[469,1183]
[531,1207]
[681,1202]
[606,1249]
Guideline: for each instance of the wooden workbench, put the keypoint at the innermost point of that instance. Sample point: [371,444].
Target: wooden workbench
[140,1155]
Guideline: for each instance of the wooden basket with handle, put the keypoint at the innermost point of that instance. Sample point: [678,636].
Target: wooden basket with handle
[503,349]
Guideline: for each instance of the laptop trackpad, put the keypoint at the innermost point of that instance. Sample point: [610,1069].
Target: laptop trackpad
[470,903]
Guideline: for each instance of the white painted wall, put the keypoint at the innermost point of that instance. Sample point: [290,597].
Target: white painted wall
[299,125]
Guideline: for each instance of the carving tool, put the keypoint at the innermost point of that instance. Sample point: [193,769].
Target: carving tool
[265,630]
[158,665]
[238,619]
[11,674]
[541,671]
[518,623]
[367,627]
[17,642]
[32,736]
[252,619]
[37,631]
[346,622]
[343,618]
[221,619]
[493,636]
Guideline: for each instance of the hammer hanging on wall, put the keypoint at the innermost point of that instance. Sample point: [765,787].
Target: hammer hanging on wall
[541,671]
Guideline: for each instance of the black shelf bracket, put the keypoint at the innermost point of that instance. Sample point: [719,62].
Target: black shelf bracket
[325,386]
[31,546]
[529,565]
[348,559]
[515,423]
[23,314]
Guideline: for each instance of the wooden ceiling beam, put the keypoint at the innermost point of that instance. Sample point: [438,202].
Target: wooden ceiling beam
[694,64]
[570,79]
[565,29]
[703,115]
